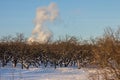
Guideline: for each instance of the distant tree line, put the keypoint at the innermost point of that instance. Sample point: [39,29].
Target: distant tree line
[103,51]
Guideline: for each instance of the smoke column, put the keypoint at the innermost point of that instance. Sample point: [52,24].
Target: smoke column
[43,14]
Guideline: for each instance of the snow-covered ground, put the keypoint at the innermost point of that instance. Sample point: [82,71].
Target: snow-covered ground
[44,74]
[50,74]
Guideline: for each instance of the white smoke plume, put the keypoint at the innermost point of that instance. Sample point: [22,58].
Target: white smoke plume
[43,14]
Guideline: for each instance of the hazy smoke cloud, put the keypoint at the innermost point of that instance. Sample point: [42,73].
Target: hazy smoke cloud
[40,33]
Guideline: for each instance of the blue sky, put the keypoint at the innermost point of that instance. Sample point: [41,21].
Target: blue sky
[81,18]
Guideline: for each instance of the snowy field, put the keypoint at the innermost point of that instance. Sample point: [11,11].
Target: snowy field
[53,74]
[44,74]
